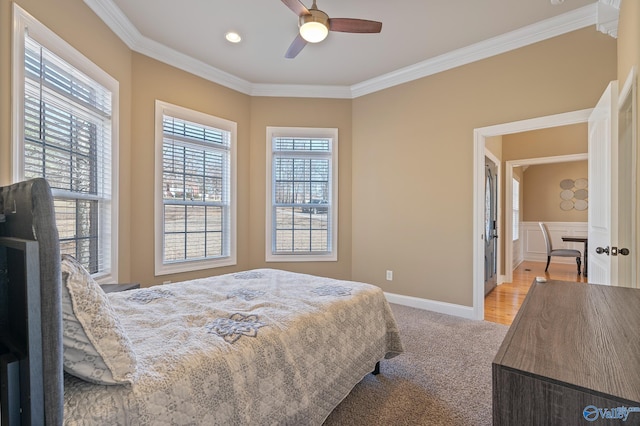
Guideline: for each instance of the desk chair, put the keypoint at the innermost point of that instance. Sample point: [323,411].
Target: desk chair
[558,252]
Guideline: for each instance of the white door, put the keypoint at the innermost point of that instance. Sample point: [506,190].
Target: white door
[491,221]
[627,165]
[603,187]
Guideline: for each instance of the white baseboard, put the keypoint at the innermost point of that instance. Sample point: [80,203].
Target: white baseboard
[431,305]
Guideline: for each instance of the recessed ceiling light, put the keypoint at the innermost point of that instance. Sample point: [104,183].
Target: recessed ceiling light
[233,37]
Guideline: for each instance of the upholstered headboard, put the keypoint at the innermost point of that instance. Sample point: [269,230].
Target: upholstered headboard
[29,214]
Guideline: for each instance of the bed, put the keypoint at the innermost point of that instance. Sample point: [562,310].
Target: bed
[262,346]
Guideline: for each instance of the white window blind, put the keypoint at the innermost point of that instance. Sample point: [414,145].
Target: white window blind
[303,197]
[197,186]
[68,141]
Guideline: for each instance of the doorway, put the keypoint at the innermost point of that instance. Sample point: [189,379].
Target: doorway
[509,166]
[480,136]
[491,222]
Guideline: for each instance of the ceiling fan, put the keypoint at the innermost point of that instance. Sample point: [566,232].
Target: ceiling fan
[315,25]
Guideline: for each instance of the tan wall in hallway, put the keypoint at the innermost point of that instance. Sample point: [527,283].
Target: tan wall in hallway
[73,21]
[541,192]
[551,142]
[413,156]
[628,38]
[301,112]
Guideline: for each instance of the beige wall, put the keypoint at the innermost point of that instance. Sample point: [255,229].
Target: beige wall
[551,142]
[629,57]
[154,80]
[541,192]
[77,24]
[296,112]
[413,156]
[406,153]
[628,38]
[493,144]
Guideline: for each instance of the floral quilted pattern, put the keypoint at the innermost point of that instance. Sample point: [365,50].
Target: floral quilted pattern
[231,329]
[332,290]
[295,354]
[248,275]
[247,294]
[148,295]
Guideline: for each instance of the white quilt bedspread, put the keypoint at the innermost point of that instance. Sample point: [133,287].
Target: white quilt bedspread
[261,347]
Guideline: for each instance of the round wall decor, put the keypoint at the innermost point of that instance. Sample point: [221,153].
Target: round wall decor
[581,183]
[580,205]
[574,194]
[567,194]
[567,184]
[566,205]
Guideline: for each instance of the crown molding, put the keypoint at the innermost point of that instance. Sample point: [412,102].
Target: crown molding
[301,91]
[116,20]
[129,34]
[522,37]
[607,17]
[186,63]
[562,24]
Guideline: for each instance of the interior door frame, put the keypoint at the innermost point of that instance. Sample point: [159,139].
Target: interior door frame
[628,92]
[508,199]
[479,138]
[499,213]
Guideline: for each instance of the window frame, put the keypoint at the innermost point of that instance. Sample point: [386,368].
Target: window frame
[515,202]
[161,268]
[301,132]
[23,23]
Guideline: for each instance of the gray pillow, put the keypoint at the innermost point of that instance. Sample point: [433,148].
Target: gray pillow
[96,348]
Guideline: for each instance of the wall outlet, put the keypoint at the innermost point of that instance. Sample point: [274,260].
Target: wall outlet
[389,275]
[166,282]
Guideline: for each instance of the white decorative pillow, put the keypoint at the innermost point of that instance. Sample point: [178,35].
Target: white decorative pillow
[96,347]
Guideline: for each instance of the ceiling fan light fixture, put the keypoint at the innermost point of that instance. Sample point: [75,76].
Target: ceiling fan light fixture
[314,27]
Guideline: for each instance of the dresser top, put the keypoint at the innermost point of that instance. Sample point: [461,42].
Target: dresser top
[583,335]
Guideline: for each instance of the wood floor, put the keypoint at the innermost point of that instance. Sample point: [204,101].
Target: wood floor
[502,304]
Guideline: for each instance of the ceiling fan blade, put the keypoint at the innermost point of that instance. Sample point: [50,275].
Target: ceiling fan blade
[348,25]
[297,7]
[298,44]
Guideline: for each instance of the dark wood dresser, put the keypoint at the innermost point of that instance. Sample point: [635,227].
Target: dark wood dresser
[571,356]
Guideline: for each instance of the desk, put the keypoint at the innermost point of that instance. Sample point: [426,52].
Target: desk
[550,367]
[586,248]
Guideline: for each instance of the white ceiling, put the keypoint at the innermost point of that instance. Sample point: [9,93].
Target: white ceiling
[419,37]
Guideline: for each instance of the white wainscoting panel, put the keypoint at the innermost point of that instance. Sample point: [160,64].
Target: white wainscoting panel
[534,249]
[516,253]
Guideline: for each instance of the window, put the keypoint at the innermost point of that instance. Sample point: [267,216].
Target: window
[66,133]
[195,190]
[302,194]
[516,210]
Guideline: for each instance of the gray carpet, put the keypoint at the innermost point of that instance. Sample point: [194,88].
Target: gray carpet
[442,378]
